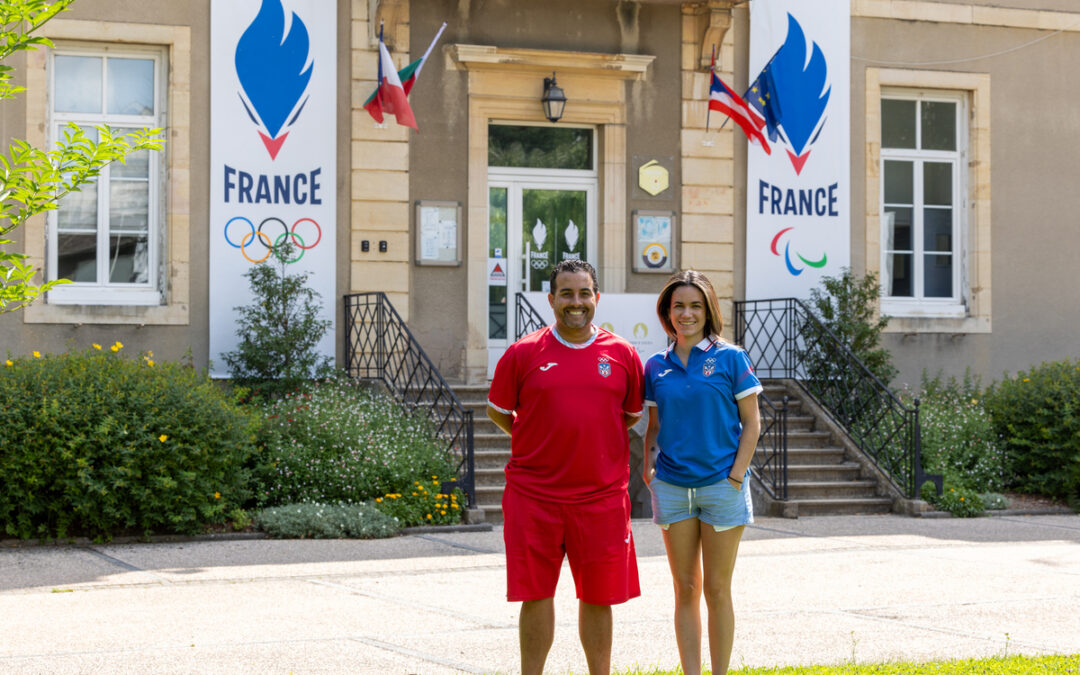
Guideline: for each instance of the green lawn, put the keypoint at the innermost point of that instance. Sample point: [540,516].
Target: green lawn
[1012,665]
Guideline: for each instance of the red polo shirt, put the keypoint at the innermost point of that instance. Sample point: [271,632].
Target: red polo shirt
[569,442]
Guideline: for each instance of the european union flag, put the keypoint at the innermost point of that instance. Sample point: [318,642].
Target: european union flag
[762,97]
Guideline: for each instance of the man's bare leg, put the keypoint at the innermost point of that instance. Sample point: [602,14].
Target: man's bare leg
[536,632]
[594,627]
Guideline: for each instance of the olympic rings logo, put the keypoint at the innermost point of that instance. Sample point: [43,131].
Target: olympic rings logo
[256,235]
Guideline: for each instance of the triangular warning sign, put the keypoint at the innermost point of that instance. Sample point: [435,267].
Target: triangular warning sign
[497,270]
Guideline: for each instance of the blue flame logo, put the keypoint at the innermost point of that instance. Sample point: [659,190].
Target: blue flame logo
[274,72]
[802,91]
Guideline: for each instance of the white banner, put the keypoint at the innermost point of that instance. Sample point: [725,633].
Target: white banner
[798,221]
[273,100]
[631,316]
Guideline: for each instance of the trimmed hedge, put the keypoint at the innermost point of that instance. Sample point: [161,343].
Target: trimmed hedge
[96,444]
[1036,415]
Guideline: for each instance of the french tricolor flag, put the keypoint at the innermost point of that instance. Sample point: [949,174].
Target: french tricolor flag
[723,99]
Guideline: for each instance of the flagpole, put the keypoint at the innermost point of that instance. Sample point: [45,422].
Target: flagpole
[423,59]
[712,73]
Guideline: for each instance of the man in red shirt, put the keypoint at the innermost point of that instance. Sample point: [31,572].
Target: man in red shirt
[566,394]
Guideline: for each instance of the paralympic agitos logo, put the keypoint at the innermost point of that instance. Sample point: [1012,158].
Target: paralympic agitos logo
[792,95]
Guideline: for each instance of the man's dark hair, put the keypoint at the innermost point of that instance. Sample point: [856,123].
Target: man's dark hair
[574,266]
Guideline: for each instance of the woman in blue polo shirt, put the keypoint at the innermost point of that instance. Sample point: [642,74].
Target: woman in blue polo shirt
[701,394]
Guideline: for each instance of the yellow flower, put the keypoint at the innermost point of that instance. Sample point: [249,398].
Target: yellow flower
[434,482]
[429,516]
[217,495]
[114,348]
[453,506]
[163,438]
[149,362]
[414,494]
[434,478]
[37,355]
[96,346]
[9,363]
[974,401]
[150,353]
[378,500]
[961,499]
[443,512]
[1027,379]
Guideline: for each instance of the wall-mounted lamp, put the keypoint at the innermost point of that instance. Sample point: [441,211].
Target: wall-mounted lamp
[554,99]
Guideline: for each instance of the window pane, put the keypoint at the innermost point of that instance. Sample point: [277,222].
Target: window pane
[497,323]
[131,86]
[136,165]
[938,125]
[898,275]
[78,84]
[899,182]
[897,124]
[129,205]
[129,259]
[937,229]
[937,275]
[76,257]
[540,147]
[898,228]
[497,312]
[78,210]
[937,183]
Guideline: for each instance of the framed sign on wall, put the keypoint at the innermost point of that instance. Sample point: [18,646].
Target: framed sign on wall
[654,235]
[438,233]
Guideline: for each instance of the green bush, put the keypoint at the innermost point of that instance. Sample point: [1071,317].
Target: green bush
[326,521]
[423,504]
[279,331]
[97,444]
[1037,418]
[994,501]
[958,439]
[342,443]
[848,306]
[959,501]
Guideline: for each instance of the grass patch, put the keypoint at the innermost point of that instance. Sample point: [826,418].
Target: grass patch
[1010,665]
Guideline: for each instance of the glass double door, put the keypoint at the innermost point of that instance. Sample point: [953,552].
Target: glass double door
[533,224]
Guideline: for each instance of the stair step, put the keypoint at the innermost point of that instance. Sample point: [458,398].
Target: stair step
[490,477]
[829,455]
[823,472]
[831,489]
[809,439]
[491,458]
[843,506]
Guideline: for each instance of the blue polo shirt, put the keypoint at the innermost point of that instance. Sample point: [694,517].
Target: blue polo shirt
[699,412]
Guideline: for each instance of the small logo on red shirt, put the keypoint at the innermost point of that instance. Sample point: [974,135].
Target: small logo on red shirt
[548,366]
[604,367]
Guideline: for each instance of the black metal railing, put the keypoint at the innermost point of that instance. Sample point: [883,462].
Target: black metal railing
[380,347]
[770,459]
[784,339]
[526,318]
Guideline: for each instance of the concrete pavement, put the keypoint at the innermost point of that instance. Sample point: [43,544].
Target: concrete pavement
[807,591]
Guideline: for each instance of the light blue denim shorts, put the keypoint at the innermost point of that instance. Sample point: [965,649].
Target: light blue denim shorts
[719,504]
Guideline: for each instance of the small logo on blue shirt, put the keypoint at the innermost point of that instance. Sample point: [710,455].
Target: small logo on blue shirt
[664,373]
[709,367]
[604,367]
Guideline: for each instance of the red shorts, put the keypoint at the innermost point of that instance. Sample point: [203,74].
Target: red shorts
[594,536]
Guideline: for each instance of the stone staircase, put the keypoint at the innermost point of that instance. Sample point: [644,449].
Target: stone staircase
[824,478]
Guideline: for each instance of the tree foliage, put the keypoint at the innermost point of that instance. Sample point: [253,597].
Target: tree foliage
[33,180]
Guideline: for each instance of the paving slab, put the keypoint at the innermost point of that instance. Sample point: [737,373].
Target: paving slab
[807,591]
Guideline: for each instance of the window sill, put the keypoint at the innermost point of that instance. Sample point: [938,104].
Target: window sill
[927,323]
[99,313]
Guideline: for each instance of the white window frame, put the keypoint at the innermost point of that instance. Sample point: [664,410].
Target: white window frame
[917,305]
[103,292]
